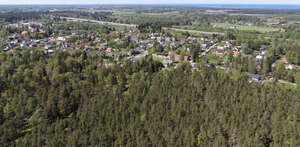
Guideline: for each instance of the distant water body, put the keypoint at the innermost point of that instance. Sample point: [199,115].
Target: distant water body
[240,6]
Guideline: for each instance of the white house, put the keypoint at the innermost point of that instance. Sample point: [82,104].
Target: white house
[289,67]
[61,38]
[259,57]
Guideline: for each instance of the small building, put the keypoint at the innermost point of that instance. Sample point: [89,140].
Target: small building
[212,66]
[263,47]
[33,44]
[6,48]
[123,54]
[182,41]
[193,64]
[284,60]
[24,44]
[263,52]
[49,51]
[78,47]
[289,67]
[259,57]
[167,39]
[61,38]
[235,52]
[167,63]
[187,58]
[204,45]
[221,47]
[176,57]
[109,50]
[254,78]
[24,33]
[220,51]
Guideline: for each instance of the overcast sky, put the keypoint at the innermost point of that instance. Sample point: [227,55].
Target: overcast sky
[149,1]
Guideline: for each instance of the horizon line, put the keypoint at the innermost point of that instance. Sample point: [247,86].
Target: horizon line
[153,4]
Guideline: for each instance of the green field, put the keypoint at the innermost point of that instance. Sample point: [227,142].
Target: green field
[246,27]
[133,14]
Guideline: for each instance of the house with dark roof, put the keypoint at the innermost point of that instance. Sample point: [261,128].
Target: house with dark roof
[254,78]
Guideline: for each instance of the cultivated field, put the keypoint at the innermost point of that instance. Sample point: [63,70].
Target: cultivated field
[245,27]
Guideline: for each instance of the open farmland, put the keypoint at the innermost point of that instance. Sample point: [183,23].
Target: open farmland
[245,27]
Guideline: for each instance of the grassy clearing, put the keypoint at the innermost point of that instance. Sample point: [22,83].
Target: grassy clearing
[198,28]
[158,58]
[246,27]
[286,86]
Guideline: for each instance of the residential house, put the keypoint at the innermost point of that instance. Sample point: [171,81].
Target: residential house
[235,52]
[123,54]
[7,48]
[150,45]
[284,60]
[50,51]
[263,47]
[61,38]
[193,64]
[182,40]
[176,57]
[33,44]
[167,63]
[204,45]
[24,33]
[263,52]
[220,50]
[47,46]
[32,29]
[212,66]
[187,58]
[87,49]
[109,50]
[167,39]
[78,46]
[24,44]
[174,44]
[289,67]
[254,78]
[259,57]
[103,45]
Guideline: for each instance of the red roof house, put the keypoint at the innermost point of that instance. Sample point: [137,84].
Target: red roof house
[186,58]
[176,57]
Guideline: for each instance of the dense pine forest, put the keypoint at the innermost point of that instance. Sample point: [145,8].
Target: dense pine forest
[73,98]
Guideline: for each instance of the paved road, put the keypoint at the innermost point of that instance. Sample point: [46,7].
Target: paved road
[285,82]
[280,81]
[96,21]
[208,50]
[134,25]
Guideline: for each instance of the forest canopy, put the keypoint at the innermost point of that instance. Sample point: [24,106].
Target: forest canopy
[71,98]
